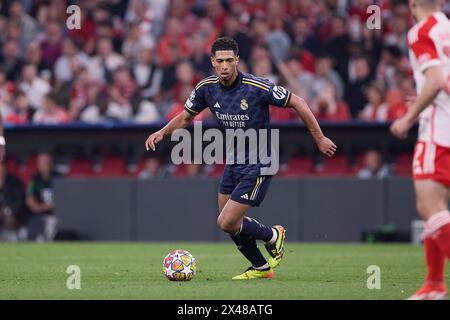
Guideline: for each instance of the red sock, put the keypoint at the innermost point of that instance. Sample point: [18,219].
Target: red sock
[435,260]
[443,239]
[439,229]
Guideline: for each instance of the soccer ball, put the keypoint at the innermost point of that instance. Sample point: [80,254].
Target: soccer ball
[179,265]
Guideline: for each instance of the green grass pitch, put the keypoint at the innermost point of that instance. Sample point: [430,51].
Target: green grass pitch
[134,271]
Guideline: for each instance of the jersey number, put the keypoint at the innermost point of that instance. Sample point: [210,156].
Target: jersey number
[417,163]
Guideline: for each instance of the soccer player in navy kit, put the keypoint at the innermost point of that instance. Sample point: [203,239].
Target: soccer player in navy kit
[240,100]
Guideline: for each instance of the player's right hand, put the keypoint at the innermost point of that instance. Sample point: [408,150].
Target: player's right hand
[153,139]
[326,146]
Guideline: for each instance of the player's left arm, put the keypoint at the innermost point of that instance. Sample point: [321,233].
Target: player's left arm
[325,145]
[434,83]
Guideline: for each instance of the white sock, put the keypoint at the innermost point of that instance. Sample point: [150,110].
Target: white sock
[274,236]
[265,266]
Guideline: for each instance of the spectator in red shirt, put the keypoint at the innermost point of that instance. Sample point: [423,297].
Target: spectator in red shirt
[173,37]
[327,105]
[216,13]
[398,98]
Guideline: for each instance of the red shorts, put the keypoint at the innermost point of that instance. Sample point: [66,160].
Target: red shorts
[431,161]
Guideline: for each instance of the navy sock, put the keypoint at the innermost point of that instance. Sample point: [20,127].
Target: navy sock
[247,246]
[251,227]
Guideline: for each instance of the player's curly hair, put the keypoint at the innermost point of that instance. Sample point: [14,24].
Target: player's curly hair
[224,43]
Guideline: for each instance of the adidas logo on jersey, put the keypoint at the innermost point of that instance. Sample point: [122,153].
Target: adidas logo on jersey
[244,196]
[217,105]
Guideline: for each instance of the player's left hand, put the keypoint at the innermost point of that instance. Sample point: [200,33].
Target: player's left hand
[326,146]
[400,127]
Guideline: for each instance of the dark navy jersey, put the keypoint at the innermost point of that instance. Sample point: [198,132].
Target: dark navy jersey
[243,105]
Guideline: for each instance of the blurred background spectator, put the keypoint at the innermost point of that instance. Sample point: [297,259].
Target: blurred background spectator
[13,211]
[376,109]
[153,168]
[42,223]
[374,166]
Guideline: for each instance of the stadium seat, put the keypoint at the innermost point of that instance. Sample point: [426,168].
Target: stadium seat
[403,164]
[138,167]
[12,165]
[217,170]
[298,166]
[338,165]
[180,171]
[28,169]
[112,166]
[81,167]
[31,162]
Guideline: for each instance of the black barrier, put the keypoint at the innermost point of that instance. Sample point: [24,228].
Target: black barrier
[313,210]
[294,137]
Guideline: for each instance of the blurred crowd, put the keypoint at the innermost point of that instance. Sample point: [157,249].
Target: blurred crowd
[27,213]
[138,60]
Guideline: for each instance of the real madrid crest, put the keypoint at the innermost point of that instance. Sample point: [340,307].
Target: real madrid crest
[244,104]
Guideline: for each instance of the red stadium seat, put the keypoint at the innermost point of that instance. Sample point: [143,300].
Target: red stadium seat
[31,162]
[403,165]
[298,166]
[29,168]
[338,165]
[217,170]
[12,165]
[112,166]
[81,167]
[139,167]
[180,171]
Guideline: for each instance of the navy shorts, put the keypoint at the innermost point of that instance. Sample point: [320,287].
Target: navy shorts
[244,187]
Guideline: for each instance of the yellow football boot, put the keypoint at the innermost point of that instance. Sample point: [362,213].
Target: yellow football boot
[276,249]
[252,273]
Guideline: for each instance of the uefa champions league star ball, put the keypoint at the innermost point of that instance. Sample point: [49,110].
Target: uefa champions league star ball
[179,265]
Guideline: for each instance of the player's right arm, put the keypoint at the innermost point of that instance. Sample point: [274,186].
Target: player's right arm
[424,49]
[434,83]
[182,120]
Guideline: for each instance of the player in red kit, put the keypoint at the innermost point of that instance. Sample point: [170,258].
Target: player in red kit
[429,43]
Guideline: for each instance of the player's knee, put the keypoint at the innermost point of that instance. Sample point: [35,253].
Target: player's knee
[226,225]
[426,208]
